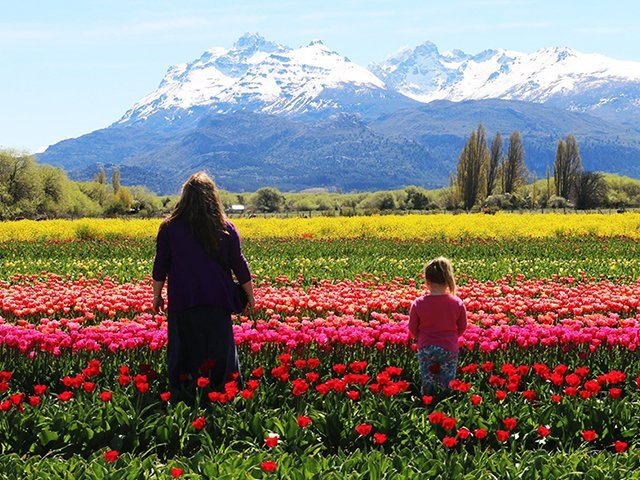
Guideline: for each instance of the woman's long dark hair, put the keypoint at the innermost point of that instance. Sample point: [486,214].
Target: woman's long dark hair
[200,207]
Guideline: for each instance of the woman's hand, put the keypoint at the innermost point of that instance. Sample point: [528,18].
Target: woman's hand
[251,304]
[158,301]
[251,300]
[158,305]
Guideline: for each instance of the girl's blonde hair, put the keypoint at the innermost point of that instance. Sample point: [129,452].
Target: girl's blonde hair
[440,271]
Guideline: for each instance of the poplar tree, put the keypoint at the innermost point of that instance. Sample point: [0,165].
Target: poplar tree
[472,166]
[101,176]
[115,180]
[514,171]
[567,166]
[495,159]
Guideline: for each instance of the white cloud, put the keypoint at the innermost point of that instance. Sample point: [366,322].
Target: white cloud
[162,26]
[148,27]
[608,30]
[474,27]
[12,32]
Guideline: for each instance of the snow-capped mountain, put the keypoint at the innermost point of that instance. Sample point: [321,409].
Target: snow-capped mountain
[262,113]
[260,76]
[556,76]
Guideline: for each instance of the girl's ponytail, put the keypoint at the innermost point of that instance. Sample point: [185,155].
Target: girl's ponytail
[440,271]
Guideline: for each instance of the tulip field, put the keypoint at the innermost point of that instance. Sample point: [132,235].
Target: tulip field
[548,384]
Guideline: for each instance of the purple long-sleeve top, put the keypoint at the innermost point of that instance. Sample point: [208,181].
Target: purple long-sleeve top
[194,278]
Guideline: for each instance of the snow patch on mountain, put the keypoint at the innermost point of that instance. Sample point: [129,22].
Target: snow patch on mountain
[424,74]
[255,75]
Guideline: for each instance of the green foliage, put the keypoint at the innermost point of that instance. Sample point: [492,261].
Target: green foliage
[567,167]
[36,191]
[418,199]
[267,199]
[591,190]
[495,160]
[514,170]
[144,202]
[379,201]
[30,190]
[68,439]
[115,180]
[481,259]
[623,191]
[120,202]
[101,176]
[472,167]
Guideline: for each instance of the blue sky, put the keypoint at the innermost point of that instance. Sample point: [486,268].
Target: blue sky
[70,67]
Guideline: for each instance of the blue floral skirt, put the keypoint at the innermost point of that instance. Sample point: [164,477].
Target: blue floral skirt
[437,368]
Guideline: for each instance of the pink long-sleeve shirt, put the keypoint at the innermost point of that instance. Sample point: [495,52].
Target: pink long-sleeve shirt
[438,320]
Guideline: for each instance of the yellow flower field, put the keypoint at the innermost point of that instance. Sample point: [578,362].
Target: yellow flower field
[501,225]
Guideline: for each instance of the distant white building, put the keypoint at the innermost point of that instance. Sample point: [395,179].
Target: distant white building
[237,208]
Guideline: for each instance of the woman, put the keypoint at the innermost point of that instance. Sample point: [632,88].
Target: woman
[197,248]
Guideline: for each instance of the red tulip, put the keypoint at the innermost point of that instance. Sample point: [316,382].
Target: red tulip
[111,455]
[620,446]
[379,438]
[199,423]
[448,423]
[65,396]
[272,440]
[202,382]
[510,423]
[268,466]
[39,389]
[364,429]
[449,442]
[303,421]
[543,431]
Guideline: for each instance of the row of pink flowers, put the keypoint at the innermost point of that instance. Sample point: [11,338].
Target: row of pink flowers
[148,331]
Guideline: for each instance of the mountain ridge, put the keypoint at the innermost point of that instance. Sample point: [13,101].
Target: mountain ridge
[329,122]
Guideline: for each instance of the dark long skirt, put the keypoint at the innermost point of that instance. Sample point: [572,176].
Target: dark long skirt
[201,344]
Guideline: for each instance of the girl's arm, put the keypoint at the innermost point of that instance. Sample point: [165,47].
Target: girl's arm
[414,321]
[462,319]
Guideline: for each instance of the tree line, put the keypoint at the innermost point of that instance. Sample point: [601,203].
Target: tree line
[486,177]
[32,190]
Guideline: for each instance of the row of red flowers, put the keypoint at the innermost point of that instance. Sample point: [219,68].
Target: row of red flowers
[509,301]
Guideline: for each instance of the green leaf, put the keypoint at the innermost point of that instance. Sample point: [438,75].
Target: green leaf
[47,436]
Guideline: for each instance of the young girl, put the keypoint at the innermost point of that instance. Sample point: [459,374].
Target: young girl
[437,320]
